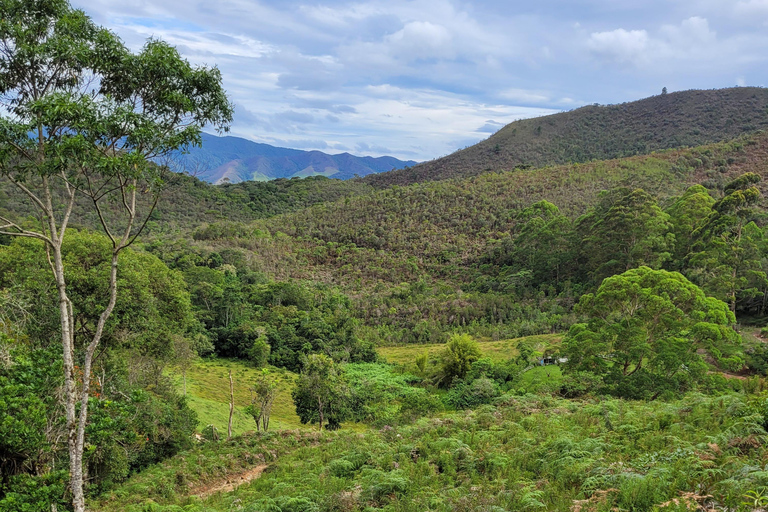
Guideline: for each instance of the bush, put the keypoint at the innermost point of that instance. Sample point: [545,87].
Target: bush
[465,396]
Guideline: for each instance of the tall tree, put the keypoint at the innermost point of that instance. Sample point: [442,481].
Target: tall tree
[321,393]
[728,245]
[626,229]
[687,214]
[83,118]
[543,243]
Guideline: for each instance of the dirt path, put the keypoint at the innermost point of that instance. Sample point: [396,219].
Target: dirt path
[230,483]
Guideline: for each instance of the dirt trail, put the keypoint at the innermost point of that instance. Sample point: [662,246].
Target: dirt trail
[230,483]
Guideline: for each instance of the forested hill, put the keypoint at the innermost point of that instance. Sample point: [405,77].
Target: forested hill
[233,159]
[423,259]
[442,228]
[599,132]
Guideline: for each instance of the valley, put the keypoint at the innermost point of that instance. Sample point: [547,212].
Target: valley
[570,315]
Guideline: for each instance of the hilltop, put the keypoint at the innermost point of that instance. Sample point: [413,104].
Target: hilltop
[600,132]
[234,159]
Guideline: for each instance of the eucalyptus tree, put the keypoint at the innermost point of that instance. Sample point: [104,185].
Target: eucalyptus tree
[645,331]
[83,121]
[626,229]
[728,245]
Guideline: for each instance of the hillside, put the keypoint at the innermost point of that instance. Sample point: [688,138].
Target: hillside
[442,228]
[429,258]
[233,159]
[188,202]
[599,132]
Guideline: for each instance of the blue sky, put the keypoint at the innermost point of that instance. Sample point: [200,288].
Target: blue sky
[418,79]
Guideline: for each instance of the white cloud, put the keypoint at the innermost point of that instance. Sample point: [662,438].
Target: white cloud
[752,8]
[422,40]
[420,76]
[691,40]
[524,96]
[622,46]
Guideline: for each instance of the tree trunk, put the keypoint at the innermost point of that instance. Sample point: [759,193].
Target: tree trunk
[320,412]
[76,430]
[231,405]
[70,382]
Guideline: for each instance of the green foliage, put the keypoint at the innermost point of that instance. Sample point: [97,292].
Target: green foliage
[379,396]
[687,214]
[643,332]
[263,393]
[152,305]
[265,321]
[729,246]
[466,396]
[321,393]
[626,229]
[527,453]
[460,352]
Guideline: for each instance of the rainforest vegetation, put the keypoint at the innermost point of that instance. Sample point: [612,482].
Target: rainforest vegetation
[581,336]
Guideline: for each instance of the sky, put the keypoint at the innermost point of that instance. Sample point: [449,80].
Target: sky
[419,79]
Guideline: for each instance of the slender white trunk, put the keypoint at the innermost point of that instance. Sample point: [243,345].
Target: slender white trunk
[70,383]
[231,405]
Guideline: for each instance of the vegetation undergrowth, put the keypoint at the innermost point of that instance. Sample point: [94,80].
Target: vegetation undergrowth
[523,453]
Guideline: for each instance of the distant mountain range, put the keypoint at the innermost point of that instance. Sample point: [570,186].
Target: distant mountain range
[233,159]
[599,132]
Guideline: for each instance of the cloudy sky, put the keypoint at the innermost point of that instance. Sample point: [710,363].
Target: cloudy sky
[418,79]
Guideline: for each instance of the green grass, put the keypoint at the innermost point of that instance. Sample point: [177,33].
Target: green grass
[208,383]
[495,350]
[208,395]
[525,453]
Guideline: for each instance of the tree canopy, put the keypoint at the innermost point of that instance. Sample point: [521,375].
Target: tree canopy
[643,333]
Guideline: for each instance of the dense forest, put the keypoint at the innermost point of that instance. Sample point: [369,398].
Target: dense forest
[553,335]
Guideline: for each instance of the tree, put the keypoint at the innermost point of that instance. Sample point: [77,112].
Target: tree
[687,214]
[84,118]
[321,393]
[263,394]
[543,243]
[643,332]
[728,245]
[460,352]
[626,229]
[184,356]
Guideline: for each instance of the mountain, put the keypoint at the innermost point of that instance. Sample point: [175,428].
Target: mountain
[232,160]
[442,228]
[600,132]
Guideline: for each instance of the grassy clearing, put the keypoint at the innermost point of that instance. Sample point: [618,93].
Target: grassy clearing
[208,382]
[495,350]
[208,395]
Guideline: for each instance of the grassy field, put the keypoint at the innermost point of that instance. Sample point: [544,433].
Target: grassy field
[208,395]
[495,350]
[208,383]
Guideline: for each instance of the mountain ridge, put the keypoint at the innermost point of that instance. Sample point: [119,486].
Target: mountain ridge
[232,159]
[601,132]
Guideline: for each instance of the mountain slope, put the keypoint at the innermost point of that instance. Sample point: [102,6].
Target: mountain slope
[680,119]
[232,160]
[440,229]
